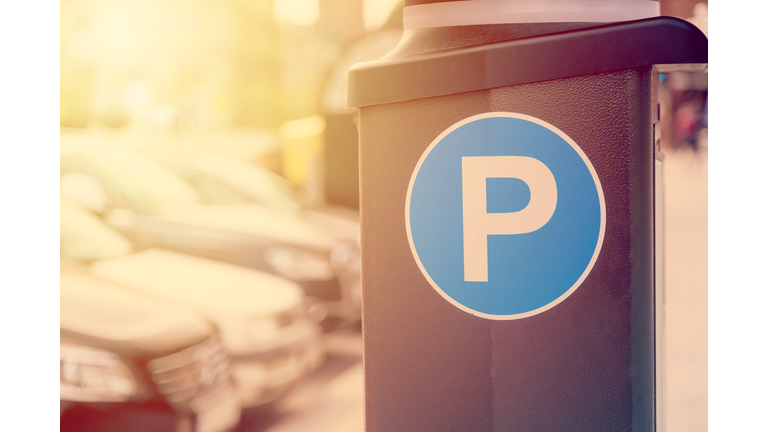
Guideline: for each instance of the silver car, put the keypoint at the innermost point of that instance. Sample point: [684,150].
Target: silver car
[266,323]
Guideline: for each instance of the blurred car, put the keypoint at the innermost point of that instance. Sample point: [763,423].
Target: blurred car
[225,180]
[228,180]
[266,323]
[155,207]
[130,361]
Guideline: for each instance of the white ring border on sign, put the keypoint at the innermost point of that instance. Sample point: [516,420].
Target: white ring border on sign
[601,198]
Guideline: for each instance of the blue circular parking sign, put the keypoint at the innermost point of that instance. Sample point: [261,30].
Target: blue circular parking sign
[505,215]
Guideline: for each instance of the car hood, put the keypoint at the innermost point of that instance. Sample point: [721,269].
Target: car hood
[251,219]
[231,296]
[109,315]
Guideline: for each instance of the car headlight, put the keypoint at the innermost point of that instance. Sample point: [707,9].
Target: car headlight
[94,375]
[298,264]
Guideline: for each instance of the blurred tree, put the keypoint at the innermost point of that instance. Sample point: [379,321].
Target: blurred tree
[213,61]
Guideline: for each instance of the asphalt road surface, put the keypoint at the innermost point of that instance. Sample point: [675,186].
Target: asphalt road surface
[330,400]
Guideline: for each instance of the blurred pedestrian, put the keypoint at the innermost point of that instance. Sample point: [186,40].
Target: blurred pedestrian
[688,122]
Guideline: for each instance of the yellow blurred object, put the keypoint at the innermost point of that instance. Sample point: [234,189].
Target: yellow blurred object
[302,150]
[169,64]
[297,12]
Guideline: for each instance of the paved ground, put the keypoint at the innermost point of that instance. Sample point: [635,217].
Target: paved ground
[686,277]
[334,405]
[331,401]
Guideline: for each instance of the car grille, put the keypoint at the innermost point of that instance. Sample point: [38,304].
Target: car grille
[185,374]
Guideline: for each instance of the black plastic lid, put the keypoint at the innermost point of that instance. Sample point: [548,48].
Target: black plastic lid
[596,49]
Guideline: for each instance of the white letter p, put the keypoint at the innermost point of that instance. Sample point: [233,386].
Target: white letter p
[479,224]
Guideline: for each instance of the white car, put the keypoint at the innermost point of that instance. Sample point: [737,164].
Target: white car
[266,323]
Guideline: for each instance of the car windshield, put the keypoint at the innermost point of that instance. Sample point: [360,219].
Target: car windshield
[83,236]
[140,181]
[223,179]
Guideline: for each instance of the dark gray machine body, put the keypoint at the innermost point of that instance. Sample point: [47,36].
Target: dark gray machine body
[587,364]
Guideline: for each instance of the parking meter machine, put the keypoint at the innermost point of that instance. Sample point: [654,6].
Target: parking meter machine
[511,220]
